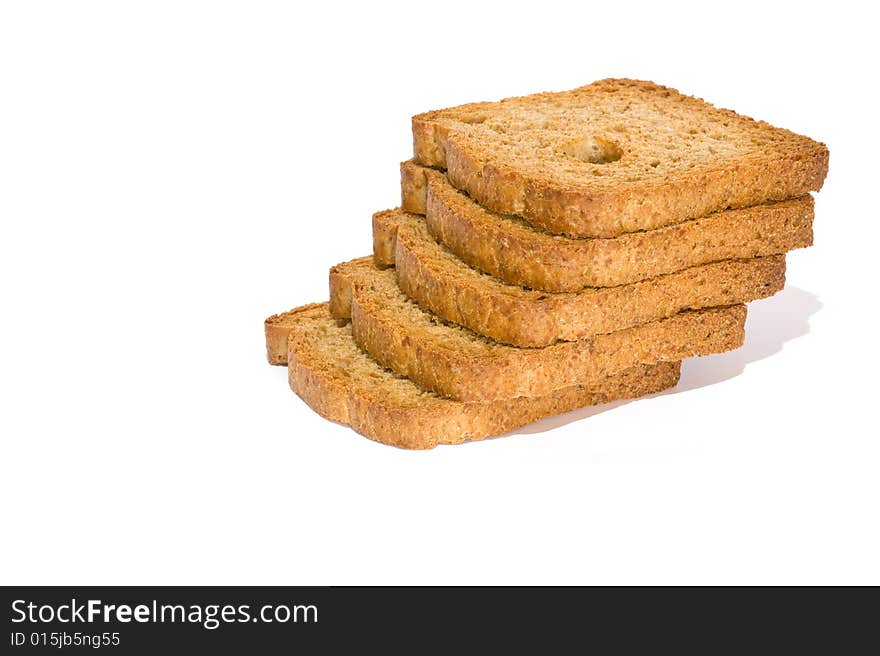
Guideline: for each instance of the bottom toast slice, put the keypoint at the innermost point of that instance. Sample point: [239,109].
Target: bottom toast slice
[457,363]
[327,369]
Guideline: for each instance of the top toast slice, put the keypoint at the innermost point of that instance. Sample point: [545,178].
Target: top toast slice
[615,156]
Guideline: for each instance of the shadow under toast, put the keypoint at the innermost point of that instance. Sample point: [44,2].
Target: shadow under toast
[770,324]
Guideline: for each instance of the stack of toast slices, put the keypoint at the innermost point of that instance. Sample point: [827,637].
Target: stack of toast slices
[551,252]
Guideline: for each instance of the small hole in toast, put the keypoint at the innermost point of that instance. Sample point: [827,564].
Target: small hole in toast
[474,119]
[594,150]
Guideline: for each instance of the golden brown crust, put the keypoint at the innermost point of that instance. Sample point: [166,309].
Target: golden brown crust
[385,237]
[341,383]
[413,187]
[340,290]
[682,158]
[424,427]
[457,363]
[439,282]
[277,329]
[516,253]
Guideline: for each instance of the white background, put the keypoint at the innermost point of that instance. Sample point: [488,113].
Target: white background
[173,172]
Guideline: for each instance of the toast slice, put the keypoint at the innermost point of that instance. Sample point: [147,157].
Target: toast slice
[340,382]
[459,364]
[508,248]
[438,281]
[615,156]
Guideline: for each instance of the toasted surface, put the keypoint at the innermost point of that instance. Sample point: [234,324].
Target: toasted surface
[457,363]
[515,252]
[615,156]
[340,382]
[438,281]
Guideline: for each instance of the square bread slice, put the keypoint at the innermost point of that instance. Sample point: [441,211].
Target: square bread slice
[440,282]
[615,156]
[459,364]
[340,382]
[506,247]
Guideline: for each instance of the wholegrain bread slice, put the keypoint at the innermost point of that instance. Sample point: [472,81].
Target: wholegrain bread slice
[615,156]
[438,281]
[457,363]
[340,382]
[515,252]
